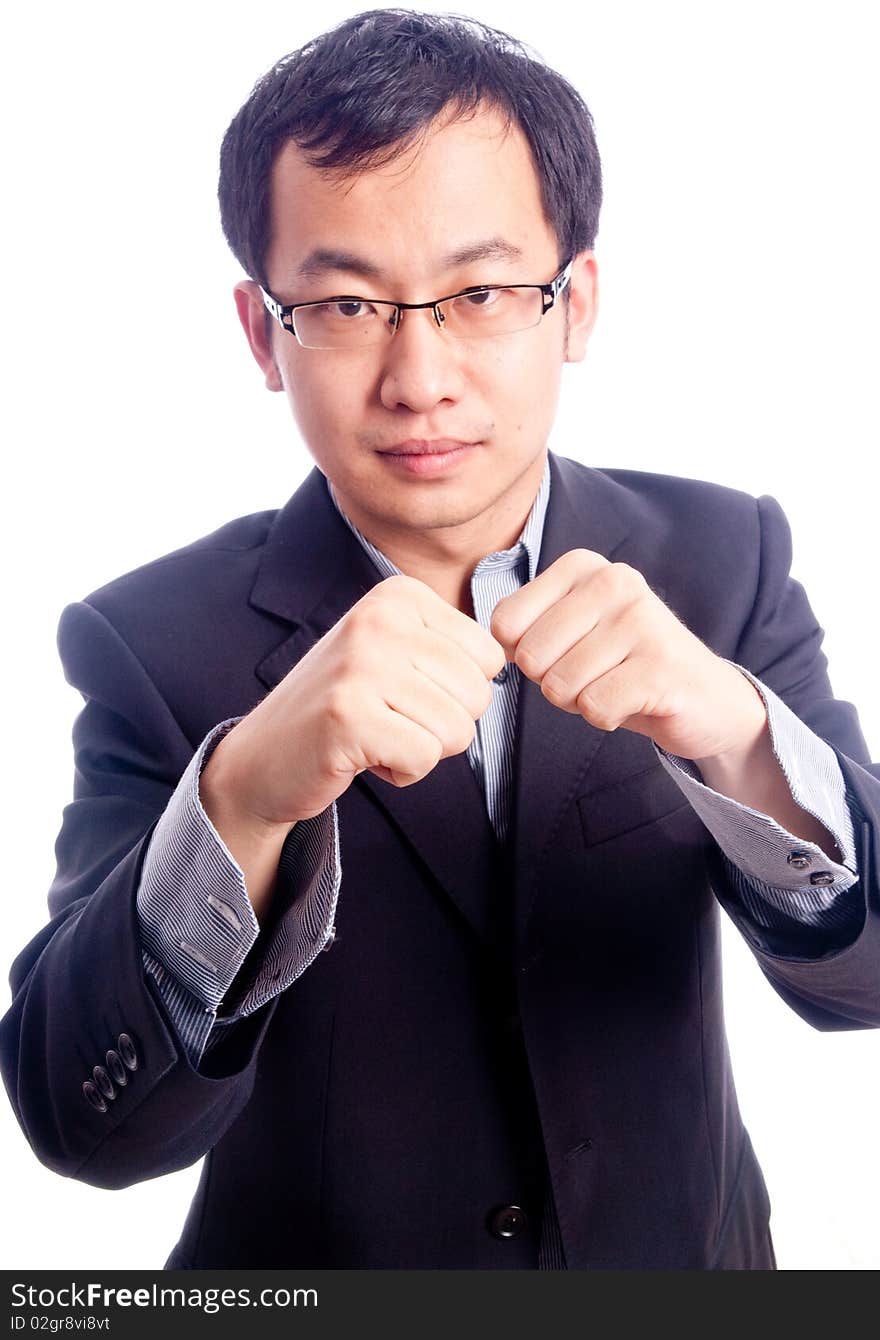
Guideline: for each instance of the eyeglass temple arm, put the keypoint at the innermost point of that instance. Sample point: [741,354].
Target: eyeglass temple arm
[275,309]
[556,286]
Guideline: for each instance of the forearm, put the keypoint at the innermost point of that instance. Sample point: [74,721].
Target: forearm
[752,776]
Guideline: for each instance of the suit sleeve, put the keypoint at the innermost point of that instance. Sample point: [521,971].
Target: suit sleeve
[79,988]
[839,986]
[784,882]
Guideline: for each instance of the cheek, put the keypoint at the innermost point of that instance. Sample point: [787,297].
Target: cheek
[324,398]
[523,385]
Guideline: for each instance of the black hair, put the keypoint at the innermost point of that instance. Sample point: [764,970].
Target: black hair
[355,96]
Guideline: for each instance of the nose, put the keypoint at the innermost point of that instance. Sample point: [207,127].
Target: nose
[422,365]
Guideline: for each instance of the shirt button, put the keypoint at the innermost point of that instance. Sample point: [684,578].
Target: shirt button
[822,877]
[799,859]
[502,676]
[508,1222]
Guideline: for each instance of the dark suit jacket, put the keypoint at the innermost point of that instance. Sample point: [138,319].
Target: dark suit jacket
[486,1018]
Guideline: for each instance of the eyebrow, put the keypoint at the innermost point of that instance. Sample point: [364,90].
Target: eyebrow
[327,259]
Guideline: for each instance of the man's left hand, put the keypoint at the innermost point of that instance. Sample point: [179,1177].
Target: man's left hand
[601,644]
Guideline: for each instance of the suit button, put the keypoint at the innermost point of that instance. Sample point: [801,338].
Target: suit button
[104,1082]
[116,1068]
[127,1052]
[508,1222]
[822,877]
[94,1097]
[799,859]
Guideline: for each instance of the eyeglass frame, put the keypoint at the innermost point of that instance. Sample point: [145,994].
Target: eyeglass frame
[283,313]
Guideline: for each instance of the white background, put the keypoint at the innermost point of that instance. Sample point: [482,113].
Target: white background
[737,342]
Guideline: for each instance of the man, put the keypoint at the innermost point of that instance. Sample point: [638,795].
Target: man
[495,730]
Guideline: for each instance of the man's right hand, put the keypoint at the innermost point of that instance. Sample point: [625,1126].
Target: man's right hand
[396,685]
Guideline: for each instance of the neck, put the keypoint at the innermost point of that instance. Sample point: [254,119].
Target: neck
[444,557]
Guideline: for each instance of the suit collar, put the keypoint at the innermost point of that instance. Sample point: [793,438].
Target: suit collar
[313,569]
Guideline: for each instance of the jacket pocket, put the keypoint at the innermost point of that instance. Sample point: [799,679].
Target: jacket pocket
[630,804]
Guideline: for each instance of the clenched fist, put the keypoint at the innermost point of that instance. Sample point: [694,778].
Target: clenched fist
[600,643]
[397,684]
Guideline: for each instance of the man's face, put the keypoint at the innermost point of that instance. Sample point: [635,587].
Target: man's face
[462,208]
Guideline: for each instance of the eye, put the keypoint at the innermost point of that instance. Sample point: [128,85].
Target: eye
[351,308]
[483,297]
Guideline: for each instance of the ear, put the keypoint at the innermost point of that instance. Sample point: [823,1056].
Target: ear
[252,315]
[583,305]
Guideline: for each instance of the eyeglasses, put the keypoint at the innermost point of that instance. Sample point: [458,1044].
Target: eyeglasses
[476,313]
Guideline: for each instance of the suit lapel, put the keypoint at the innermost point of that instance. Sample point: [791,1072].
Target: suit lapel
[558,753]
[313,570]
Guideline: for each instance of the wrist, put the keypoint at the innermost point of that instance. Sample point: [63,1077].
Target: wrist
[253,842]
[224,797]
[748,736]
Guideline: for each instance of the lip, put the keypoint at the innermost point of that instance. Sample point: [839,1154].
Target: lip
[427,459]
[438,446]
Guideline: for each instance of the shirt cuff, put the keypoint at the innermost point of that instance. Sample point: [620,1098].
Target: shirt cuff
[197,923]
[307,891]
[797,876]
[196,918]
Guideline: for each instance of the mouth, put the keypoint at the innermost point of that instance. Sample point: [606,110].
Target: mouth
[441,446]
[427,459]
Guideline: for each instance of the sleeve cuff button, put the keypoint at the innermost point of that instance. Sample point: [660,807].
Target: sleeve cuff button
[127,1051]
[93,1096]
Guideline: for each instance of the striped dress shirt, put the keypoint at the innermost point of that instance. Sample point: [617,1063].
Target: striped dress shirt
[198,926]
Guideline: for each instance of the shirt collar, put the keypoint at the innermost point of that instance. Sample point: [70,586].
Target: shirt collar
[529,541]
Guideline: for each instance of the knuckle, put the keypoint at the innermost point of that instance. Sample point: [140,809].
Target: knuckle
[421,758]
[503,626]
[596,713]
[628,578]
[528,660]
[458,731]
[460,740]
[398,581]
[378,626]
[579,558]
[494,657]
[337,703]
[402,590]
[555,689]
[367,621]
[430,754]
[482,699]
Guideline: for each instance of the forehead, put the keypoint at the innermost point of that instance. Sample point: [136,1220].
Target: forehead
[464,180]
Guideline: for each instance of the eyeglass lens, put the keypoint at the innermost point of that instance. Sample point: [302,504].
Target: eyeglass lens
[354,322]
